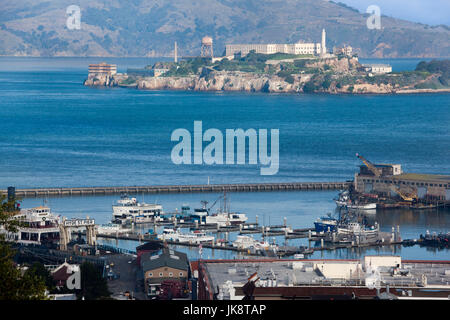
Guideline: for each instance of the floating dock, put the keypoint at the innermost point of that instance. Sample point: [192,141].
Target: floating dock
[243,187]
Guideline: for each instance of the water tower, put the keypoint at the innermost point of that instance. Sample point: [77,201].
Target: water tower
[207,47]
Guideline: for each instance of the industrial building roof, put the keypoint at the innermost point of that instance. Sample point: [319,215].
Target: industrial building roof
[424,177]
[302,272]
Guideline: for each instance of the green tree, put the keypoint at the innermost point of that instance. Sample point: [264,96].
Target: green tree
[93,285]
[13,284]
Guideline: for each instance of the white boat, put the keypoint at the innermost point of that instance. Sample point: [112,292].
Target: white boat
[112,228]
[247,242]
[196,237]
[354,228]
[226,219]
[129,209]
[344,201]
[222,218]
[367,206]
[39,226]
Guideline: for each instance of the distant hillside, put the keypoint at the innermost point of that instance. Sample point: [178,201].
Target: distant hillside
[149,28]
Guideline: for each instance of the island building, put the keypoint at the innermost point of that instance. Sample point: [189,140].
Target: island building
[372,277]
[345,50]
[318,49]
[377,68]
[389,180]
[103,68]
[164,265]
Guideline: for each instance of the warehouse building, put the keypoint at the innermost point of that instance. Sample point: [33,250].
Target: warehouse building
[164,265]
[428,187]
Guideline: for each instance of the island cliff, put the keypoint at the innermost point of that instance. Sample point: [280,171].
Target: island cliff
[333,75]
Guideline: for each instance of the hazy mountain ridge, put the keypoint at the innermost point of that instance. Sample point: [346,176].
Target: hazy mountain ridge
[149,28]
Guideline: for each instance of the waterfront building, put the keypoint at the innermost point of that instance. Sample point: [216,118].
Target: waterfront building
[377,68]
[103,68]
[368,278]
[428,187]
[167,264]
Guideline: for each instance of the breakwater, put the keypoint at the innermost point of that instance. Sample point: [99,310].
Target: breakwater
[244,187]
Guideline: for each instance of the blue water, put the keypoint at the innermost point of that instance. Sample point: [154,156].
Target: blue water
[56,132]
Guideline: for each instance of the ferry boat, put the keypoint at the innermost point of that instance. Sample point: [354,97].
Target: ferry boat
[40,226]
[130,210]
[196,237]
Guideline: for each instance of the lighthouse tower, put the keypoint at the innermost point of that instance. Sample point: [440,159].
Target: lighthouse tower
[323,44]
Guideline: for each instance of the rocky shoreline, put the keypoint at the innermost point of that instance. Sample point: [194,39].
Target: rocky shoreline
[245,82]
[329,75]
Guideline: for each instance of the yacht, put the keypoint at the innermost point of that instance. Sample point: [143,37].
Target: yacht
[112,228]
[196,237]
[130,210]
[247,242]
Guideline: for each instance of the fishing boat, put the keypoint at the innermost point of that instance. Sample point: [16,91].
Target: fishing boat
[325,224]
[223,217]
[355,228]
[344,201]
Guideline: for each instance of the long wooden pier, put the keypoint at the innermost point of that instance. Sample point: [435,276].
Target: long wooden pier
[244,187]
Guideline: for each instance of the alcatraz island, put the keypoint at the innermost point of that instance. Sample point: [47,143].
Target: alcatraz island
[296,68]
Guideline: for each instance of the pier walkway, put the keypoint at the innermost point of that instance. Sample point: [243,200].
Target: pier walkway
[244,187]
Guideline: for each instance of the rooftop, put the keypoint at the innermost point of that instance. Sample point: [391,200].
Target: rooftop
[165,258]
[305,272]
[424,177]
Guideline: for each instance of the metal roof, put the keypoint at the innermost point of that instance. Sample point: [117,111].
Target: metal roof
[165,258]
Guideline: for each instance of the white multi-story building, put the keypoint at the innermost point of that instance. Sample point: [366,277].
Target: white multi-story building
[291,48]
[378,68]
[270,48]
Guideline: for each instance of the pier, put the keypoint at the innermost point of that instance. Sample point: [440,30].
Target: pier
[243,187]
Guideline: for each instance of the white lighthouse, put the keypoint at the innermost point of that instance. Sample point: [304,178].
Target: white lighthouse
[323,44]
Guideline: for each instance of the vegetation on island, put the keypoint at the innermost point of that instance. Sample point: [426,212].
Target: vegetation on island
[308,73]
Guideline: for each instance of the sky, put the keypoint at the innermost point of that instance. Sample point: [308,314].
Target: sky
[432,12]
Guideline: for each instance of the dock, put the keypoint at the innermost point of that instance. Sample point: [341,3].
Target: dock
[217,188]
